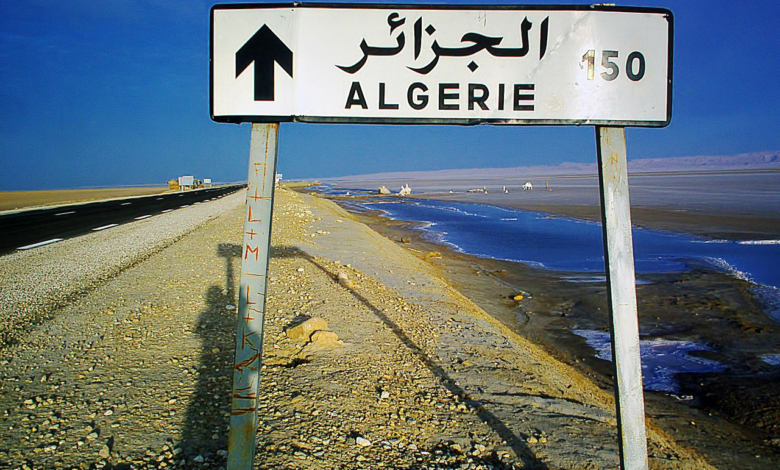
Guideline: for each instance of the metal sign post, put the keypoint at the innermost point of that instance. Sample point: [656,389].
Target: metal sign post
[621,286]
[252,292]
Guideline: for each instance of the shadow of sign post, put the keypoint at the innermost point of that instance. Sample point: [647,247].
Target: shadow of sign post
[454,65]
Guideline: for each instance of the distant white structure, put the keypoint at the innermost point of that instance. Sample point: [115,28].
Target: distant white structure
[207,182]
[186,182]
[528,186]
[506,191]
[383,190]
[278,179]
[405,190]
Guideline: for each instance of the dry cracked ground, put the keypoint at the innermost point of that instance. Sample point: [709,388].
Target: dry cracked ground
[122,358]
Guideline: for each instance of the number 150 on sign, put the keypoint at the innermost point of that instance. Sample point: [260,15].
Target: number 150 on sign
[635,65]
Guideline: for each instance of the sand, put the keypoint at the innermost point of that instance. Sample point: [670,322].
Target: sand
[485,359]
[136,370]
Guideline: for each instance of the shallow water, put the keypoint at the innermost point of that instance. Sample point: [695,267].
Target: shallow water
[567,244]
[771,359]
[661,359]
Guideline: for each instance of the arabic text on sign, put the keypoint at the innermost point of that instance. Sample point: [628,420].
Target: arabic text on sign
[475,42]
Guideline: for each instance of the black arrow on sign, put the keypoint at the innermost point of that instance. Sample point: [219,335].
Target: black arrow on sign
[264,48]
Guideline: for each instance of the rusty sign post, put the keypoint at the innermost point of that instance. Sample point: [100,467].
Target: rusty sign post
[621,290]
[596,65]
[252,295]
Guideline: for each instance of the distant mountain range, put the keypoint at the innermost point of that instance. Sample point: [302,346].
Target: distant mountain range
[745,161]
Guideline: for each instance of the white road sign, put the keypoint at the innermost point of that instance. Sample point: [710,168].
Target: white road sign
[441,64]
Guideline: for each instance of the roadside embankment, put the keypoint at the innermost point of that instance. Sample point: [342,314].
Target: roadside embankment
[136,370]
[552,308]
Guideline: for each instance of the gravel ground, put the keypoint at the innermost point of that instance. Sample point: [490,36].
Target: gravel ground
[130,366]
[34,283]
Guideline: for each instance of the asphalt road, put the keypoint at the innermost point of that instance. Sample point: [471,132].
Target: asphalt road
[29,229]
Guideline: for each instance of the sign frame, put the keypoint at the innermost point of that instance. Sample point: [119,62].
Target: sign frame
[615,212]
[445,121]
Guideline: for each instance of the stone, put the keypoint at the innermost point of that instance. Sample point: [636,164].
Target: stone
[325,338]
[321,341]
[344,279]
[105,452]
[362,441]
[303,332]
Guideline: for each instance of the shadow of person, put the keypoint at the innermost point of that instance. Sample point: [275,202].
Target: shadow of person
[208,413]
[208,410]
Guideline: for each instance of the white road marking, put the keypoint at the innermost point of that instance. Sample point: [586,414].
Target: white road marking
[36,245]
[186,205]
[104,227]
[65,213]
[143,217]
[158,199]
[126,203]
[167,210]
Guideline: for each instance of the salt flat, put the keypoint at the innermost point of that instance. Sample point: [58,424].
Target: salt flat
[731,204]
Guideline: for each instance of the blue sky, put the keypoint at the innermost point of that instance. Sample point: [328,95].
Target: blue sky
[115,92]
